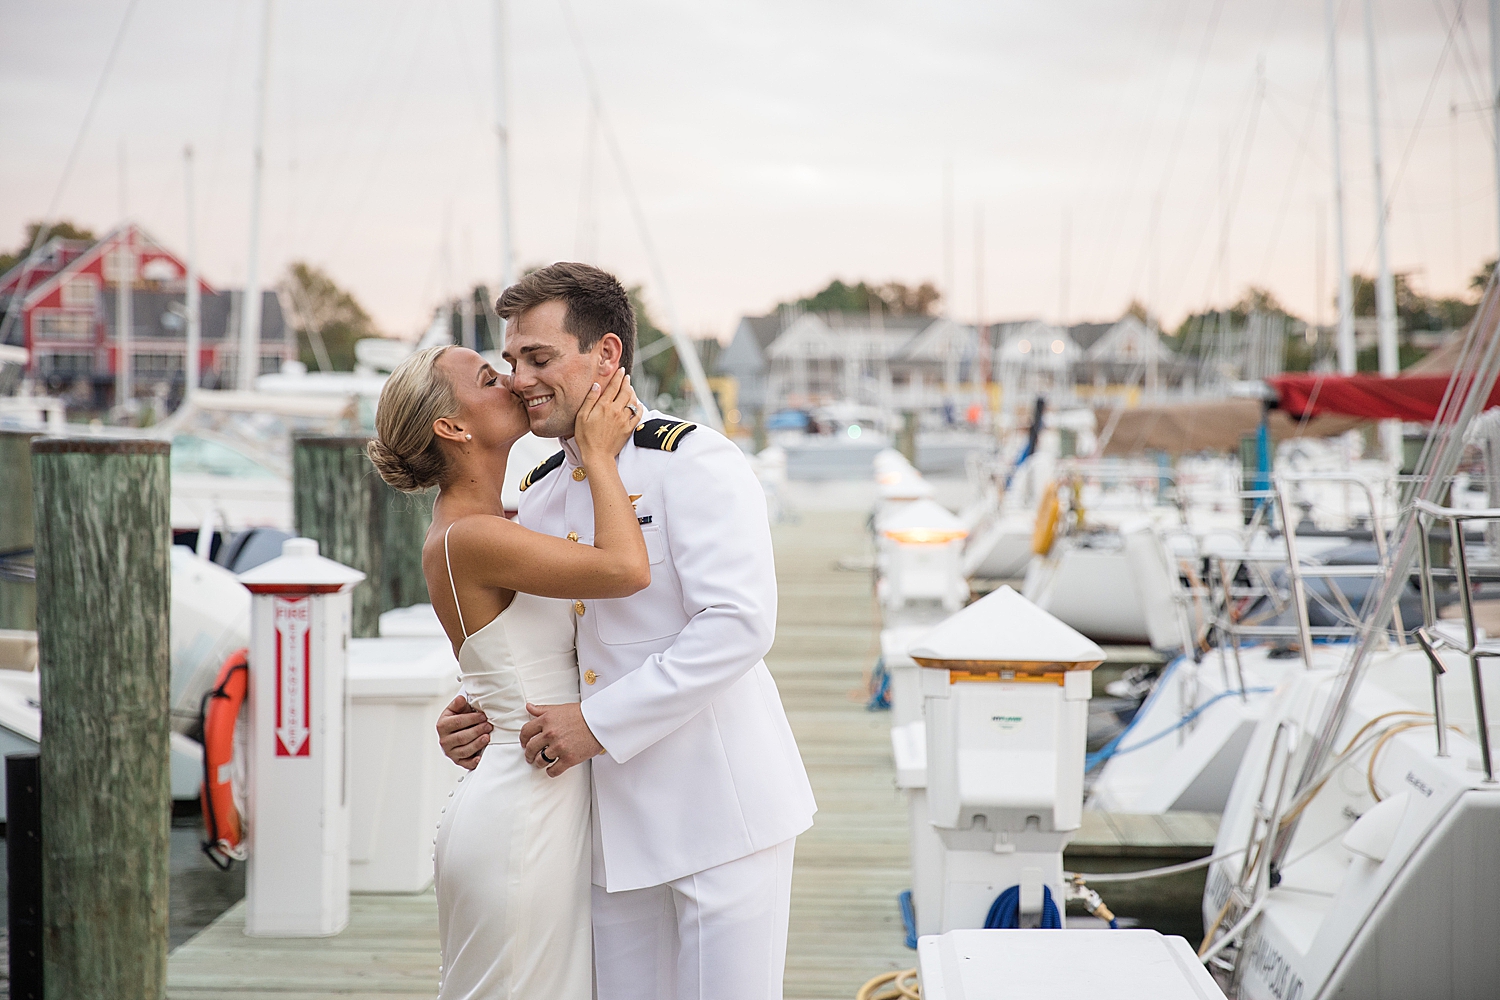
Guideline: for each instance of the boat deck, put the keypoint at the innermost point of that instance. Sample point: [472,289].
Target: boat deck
[845,925]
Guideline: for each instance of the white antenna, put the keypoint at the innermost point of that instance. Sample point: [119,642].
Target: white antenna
[502,134]
[250,306]
[1345,292]
[191,302]
[1062,294]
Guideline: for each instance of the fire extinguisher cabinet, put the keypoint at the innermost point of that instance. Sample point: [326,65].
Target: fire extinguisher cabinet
[297,875]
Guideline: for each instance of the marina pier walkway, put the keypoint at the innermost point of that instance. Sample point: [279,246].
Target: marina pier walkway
[845,926]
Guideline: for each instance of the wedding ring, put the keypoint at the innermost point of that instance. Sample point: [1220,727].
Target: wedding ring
[634,412]
[542,753]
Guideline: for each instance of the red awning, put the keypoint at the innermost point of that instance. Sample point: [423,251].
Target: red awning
[1369,397]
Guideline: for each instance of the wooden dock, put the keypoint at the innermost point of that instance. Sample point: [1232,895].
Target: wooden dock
[845,924]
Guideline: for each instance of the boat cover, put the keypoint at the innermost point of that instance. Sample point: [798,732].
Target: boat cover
[1367,397]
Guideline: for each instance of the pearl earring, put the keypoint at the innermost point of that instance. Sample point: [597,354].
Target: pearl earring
[468,437]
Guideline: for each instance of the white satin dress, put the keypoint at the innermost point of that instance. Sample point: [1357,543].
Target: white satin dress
[513,845]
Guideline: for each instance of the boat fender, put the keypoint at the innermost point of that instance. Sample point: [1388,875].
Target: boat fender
[1048,512]
[218,715]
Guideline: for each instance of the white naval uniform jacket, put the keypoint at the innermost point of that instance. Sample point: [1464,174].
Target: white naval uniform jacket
[700,767]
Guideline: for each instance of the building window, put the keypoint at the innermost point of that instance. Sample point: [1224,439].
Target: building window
[64,364]
[55,324]
[157,366]
[270,364]
[80,292]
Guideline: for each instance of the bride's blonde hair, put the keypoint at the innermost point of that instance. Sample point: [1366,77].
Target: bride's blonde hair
[405,449]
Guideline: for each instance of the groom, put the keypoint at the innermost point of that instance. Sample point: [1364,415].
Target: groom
[699,790]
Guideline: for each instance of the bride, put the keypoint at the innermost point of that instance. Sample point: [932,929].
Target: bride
[513,849]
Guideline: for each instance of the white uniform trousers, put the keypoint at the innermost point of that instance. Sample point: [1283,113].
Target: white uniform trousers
[719,934]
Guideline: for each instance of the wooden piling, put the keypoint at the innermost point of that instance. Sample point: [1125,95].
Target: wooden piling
[17,596]
[339,499]
[103,541]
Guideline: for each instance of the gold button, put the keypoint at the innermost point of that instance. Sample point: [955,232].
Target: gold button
[579,474]
[640,427]
[578,607]
[589,677]
[572,536]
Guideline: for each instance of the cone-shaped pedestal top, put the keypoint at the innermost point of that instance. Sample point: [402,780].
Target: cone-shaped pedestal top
[1005,631]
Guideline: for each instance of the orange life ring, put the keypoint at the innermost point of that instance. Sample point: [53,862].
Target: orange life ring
[1048,513]
[219,714]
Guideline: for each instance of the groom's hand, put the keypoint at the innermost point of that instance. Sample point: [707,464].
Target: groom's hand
[464,732]
[562,731]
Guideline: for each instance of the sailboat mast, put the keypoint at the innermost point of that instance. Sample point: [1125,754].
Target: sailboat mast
[1345,339]
[1385,286]
[502,134]
[1495,97]
[1385,290]
[191,300]
[250,307]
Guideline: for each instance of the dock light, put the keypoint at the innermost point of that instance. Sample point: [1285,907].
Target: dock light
[854,431]
[1057,347]
[1005,692]
[921,552]
[1024,347]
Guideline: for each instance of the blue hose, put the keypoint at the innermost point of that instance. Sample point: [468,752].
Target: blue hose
[1113,748]
[880,688]
[908,918]
[1005,911]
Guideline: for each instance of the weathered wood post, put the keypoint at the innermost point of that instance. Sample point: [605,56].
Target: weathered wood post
[407,518]
[339,499]
[103,539]
[17,596]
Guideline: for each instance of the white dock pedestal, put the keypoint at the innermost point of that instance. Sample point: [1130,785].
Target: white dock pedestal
[398,776]
[297,875]
[1072,965]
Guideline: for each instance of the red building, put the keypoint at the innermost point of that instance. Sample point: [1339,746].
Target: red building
[66,311]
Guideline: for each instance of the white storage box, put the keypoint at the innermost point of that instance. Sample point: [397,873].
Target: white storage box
[419,619]
[399,779]
[1061,965]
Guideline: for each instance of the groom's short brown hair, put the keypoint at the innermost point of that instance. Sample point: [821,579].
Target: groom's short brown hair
[596,302]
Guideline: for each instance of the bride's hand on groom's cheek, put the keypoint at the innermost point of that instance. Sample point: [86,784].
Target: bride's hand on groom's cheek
[561,732]
[464,732]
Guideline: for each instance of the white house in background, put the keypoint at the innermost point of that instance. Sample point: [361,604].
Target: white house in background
[894,362]
[1034,358]
[1130,352]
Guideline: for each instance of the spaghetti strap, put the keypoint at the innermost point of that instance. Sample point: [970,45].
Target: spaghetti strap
[449,563]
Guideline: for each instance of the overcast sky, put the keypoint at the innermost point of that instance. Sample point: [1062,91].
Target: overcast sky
[773,145]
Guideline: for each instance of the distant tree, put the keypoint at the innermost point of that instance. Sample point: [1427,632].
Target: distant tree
[327,319]
[1194,333]
[893,297]
[661,373]
[62,228]
[1481,279]
[1415,311]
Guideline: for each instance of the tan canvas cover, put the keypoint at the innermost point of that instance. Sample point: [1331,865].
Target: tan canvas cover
[1205,425]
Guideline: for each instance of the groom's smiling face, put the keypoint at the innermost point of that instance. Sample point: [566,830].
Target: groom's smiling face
[552,376]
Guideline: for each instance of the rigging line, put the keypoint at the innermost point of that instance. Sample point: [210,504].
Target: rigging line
[378,159]
[1286,195]
[1416,129]
[1207,197]
[1142,147]
[687,354]
[208,215]
[337,180]
[1477,93]
[45,229]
